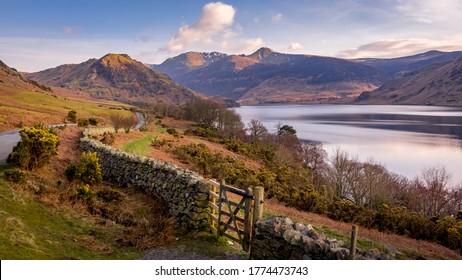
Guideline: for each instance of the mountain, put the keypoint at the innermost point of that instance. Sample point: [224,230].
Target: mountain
[183,63]
[401,65]
[266,76]
[437,84]
[12,81]
[116,77]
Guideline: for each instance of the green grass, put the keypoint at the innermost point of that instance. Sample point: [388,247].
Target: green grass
[31,230]
[159,129]
[139,147]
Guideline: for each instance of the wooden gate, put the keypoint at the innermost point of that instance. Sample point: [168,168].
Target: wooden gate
[234,217]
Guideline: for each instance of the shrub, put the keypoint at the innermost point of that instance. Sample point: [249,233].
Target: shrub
[36,147]
[71,171]
[211,134]
[15,175]
[83,122]
[218,166]
[144,128]
[72,116]
[108,138]
[88,169]
[158,143]
[173,132]
[93,121]
[108,195]
[85,192]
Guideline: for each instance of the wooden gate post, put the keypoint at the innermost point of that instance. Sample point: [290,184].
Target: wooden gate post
[258,199]
[354,236]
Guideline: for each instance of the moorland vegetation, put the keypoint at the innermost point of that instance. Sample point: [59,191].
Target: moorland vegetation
[301,175]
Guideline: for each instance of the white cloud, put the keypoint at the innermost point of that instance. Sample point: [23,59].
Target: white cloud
[276,18]
[399,47]
[68,30]
[295,46]
[215,18]
[431,11]
[214,30]
[249,45]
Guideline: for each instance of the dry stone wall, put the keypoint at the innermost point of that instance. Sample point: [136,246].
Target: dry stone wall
[278,238]
[186,193]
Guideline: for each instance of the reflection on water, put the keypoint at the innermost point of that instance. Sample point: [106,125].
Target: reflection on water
[404,138]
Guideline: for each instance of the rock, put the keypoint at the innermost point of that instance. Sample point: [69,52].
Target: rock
[391,250]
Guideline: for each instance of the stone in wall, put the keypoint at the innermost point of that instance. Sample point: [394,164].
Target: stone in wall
[278,238]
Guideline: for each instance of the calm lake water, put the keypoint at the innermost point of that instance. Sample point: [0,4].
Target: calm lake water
[405,139]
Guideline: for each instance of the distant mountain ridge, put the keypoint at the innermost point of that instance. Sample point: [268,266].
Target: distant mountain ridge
[116,77]
[402,65]
[266,76]
[437,84]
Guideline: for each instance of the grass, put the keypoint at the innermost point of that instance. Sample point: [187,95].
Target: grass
[159,129]
[32,230]
[28,107]
[139,147]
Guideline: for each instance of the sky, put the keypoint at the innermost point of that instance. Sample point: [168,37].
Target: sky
[36,35]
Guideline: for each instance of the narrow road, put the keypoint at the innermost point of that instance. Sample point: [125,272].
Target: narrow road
[141,120]
[7,141]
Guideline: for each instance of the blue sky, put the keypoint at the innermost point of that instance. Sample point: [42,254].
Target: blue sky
[35,35]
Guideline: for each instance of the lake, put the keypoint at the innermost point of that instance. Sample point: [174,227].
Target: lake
[405,139]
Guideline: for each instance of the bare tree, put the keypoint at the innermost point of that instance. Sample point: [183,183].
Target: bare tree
[256,130]
[230,123]
[204,112]
[436,181]
[382,187]
[314,158]
[429,193]
[337,173]
[126,122]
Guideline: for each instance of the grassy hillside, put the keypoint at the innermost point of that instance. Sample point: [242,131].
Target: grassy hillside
[27,107]
[23,102]
[34,230]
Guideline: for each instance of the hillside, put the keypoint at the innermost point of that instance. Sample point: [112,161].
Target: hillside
[116,77]
[12,81]
[402,65]
[24,102]
[438,84]
[266,76]
[153,143]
